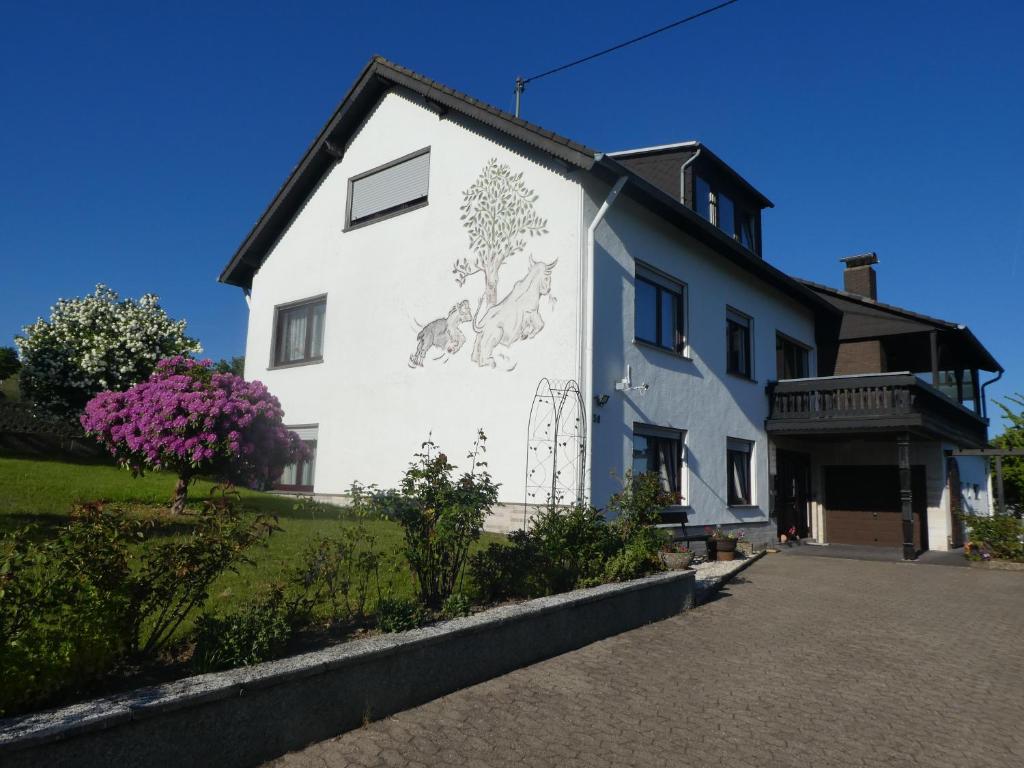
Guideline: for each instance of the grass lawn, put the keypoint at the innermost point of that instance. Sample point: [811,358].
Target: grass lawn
[42,493]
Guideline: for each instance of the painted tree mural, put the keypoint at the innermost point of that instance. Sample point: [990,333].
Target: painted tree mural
[498,214]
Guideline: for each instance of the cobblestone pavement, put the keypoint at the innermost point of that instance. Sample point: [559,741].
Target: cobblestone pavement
[802,661]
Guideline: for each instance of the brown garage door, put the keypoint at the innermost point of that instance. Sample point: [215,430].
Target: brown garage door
[862,506]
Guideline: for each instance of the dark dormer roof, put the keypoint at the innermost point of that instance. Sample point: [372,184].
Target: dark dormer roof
[380,75]
[865,318]
[661,166]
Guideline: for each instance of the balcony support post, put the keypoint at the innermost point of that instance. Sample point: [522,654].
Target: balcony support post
[906,495]
[934,338]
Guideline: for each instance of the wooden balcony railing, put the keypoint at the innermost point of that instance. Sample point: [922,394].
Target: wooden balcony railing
[889,401]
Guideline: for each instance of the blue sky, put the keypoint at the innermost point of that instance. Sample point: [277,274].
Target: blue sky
[140,143]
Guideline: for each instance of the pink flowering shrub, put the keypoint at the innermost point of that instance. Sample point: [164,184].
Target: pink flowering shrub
[190,420]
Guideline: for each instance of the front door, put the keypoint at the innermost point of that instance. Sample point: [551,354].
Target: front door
[792,492]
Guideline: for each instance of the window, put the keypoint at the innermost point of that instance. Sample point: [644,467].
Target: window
[299,476]
[299,332]
[719,208]
[791,358]
[745,229]
[391,189]
[702,198]
[738,454]
[660,451]
[737,335]
[659,310]
[725,214]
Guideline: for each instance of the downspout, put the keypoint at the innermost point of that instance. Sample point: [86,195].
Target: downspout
[682,176]
[587,330]
[984,400]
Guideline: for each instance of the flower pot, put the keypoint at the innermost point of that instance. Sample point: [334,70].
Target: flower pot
[677,561]
[725,549]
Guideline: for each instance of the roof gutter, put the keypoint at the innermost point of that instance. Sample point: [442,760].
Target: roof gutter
[587,299]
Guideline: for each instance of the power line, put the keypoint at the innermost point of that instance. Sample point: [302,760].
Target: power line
[522,81]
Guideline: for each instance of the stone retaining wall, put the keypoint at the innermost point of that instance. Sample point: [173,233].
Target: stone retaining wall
[246,716]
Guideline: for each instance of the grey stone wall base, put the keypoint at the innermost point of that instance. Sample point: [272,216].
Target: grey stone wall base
[246,716]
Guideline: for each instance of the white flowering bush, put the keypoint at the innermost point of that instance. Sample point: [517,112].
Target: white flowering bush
[95,343]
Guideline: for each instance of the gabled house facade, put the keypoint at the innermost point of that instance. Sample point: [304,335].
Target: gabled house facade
[434,266]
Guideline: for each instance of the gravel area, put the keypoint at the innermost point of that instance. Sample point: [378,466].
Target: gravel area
[713,574]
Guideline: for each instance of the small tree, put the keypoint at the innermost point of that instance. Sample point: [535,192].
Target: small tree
[9,362]
[1013,466]
[187,419]
[235,365]
[95,343]
[497,211]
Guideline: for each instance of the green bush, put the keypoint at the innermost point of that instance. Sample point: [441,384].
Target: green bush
[441,516]
[504,571]
[456,605]
[399,614]
[573,544]
[337,578]
[638,557]
[256,632]
[1000,537]
[101,592]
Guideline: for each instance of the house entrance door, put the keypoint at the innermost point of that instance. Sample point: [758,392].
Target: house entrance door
[792,492]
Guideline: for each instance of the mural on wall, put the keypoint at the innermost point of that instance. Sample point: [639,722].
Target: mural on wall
[442,333]
[499,216]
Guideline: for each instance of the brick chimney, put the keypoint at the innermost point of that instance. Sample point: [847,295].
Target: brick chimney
[859,275]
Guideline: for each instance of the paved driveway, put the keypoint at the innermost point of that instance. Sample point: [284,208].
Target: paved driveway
[804,661]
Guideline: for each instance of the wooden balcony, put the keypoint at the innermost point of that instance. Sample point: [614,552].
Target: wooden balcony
[886,402]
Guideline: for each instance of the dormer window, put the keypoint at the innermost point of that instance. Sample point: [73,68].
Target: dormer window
[719,208]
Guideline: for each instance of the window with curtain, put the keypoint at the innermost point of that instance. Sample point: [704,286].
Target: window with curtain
[738,453]
[737,336]
[661,451]
[299,335]
[300,476]
[392,188]
[659,310]
[745,229]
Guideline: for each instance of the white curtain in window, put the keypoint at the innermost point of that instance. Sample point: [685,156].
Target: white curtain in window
[317,331]
[668,455]
[738,458]
[295,335]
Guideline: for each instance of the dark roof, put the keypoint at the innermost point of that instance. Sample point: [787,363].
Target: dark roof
[865,318]
[658,163]
[380,75]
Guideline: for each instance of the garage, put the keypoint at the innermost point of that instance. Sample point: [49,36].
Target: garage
[862,506]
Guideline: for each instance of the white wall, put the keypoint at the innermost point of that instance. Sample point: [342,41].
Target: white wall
[975,485]
[695,394]
[386,279]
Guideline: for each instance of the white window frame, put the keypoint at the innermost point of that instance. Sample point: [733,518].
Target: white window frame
[673,285]
[670,433]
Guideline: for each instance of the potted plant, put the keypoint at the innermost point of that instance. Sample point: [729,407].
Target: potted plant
[676,556]
[723,542]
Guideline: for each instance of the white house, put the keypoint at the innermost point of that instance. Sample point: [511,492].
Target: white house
[434,265]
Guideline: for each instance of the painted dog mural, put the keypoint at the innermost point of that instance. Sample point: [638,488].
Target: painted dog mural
[499,216]
[442,333]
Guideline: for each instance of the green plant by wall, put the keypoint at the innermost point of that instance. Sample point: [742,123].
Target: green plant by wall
[1000,537]
[399,614]
[257,632]
[441,516]
[103,591]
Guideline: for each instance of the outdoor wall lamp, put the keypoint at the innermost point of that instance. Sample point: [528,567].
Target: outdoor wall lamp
[601,400]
